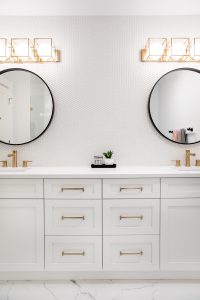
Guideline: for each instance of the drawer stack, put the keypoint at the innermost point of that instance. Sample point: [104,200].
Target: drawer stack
[131,209]
[73,224]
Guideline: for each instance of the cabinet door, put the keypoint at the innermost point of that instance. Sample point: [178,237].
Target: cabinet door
[180,238]
[21,235]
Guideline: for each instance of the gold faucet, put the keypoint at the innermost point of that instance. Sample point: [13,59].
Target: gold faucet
[14,158]
[187,157]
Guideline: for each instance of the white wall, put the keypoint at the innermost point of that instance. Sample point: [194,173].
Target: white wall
[100,88]
[98,7]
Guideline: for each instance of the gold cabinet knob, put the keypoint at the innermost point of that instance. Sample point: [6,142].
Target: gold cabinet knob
[4,163]
[177,162]
[26,162]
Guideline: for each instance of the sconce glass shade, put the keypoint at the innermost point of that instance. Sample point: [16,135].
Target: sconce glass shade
[20,48]
[3,49]
[156,47]
[180,47]
[45,49]
[197,48]
[3,43]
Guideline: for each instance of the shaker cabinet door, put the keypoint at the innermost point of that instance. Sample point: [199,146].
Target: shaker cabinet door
[21,235]
[180,238]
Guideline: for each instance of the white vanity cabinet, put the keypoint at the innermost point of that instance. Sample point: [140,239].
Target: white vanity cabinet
[180,224]
[21,225]
[104,225]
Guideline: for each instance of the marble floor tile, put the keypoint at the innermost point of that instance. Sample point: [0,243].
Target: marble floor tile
[100,290]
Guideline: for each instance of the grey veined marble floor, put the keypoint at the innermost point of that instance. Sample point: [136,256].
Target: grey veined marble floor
[100,290]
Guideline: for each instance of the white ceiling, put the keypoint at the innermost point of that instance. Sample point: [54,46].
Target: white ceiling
[99,7]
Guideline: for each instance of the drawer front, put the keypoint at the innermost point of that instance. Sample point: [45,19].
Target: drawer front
[73,217]
[131,253]
[72,188]
[131,188]
[21,188]
[83,253]
[131,216]
[180,187]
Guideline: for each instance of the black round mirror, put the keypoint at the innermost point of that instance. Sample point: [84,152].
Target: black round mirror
[26,106]
[174,106]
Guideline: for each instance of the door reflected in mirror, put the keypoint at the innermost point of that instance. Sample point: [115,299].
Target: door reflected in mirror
[174,106]
[27,106]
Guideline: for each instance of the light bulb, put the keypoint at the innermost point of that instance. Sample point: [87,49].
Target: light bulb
[21,49]
[44,50]
[156,49]
[178,49]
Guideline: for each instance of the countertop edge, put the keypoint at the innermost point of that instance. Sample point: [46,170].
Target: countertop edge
[88,173]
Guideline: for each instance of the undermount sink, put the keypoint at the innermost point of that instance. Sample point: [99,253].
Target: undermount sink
[197,169]
[10,169]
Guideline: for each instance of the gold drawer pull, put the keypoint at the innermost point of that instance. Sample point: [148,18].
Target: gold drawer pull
[131,188]
[131,217]
[81,217]
[131,253]
[73,189]
[73,253]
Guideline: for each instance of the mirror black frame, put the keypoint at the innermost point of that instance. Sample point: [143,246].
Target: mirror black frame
[149,102]
[53,104]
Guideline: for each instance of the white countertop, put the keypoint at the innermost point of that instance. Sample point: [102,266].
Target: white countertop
[87,172]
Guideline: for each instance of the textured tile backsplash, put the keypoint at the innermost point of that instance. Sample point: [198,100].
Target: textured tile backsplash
[100,88]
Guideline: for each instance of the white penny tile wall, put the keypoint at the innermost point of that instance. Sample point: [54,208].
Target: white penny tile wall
[100,88]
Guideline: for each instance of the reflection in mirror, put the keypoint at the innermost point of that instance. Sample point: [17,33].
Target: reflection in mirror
[174,106]
[26,106]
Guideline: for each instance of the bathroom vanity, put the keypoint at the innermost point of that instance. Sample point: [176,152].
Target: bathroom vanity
[139,222]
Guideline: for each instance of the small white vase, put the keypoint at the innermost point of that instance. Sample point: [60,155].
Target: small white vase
[108,161]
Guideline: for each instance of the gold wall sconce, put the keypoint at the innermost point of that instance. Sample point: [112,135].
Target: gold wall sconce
[25,50]
[171,50]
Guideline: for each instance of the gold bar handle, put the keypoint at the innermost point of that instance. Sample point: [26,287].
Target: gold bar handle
[131,217]
[73,189]
[73,253]
[131,188]
[131,253]
[73,217]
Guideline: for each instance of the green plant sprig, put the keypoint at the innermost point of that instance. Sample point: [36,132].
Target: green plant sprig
[108,154]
